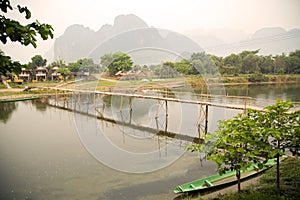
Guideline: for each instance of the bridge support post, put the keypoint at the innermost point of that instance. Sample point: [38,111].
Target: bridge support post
[245,106]
[162,105]
[130,110]
[56,97]
[206,119]
[166,122]
[202,124]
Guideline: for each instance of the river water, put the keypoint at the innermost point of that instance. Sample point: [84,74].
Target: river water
[50,153]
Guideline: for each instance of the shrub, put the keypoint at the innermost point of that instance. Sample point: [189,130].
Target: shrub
[257,78]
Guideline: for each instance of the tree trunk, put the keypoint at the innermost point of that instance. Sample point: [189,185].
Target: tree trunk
[3,78]
[238,176]
[278,173]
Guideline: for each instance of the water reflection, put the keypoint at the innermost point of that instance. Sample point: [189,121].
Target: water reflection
[40,105]
[43,160]
[266,91]
[6,111]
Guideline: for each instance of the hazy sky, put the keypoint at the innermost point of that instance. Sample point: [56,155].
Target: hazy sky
[176,15]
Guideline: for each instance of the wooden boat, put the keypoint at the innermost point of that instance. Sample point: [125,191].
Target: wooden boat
[217,181]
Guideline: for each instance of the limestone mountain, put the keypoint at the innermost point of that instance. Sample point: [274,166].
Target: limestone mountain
[126,34]
[130,33]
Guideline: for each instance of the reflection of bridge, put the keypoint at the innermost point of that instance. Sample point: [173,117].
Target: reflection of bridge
[92,103]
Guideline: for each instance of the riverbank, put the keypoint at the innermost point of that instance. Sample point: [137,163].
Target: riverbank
[245,79]
[262,187]
[266,186]
[197,83]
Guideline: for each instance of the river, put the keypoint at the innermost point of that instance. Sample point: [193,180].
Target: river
[49,153]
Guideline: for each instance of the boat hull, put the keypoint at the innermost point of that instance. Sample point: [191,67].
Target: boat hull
[217,181]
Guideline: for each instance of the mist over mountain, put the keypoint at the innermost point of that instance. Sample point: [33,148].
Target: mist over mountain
[216,37]
[130,33]
[270,40]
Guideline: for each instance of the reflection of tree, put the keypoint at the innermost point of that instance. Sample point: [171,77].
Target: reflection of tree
[107,100]
[166,92]
[6,110]
[140,106]
[39,105]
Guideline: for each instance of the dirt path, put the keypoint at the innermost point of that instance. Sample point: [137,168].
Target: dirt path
[12,90]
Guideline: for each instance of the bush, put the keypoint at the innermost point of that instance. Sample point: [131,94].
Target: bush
[258,78]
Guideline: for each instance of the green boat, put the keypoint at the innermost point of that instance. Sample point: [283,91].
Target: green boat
[217,181]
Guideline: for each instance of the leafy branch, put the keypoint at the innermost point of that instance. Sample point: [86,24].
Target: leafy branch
[16,32]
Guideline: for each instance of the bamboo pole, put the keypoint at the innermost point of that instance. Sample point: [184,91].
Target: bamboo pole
[166,110]
[206,119]
[130,110]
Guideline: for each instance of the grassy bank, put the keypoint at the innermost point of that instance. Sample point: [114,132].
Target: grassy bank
[244,79]
[261,78]
[266,188]
[195,81]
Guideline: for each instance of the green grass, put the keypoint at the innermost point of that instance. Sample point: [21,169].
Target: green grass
[102,84]
[290,184]
[21,93]
[30,84]
[266,189]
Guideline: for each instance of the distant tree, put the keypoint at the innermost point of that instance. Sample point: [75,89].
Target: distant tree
[137,68]
[217,61]
[59,63]
[232,62]
[243,54]
[74,67]
[202,64]
[184,66]
[116,62]
[16,32]
[167,70]
[293,63]
[65,72]
[266,64]
[87,65]
[196,61]
[250,64]
[37,61]
[279,64]
[156,69]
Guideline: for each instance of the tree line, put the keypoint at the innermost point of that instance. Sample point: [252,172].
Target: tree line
[246,62]
[81,65]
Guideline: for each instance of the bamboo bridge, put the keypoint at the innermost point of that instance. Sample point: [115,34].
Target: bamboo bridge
[73,99]
[91,103]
